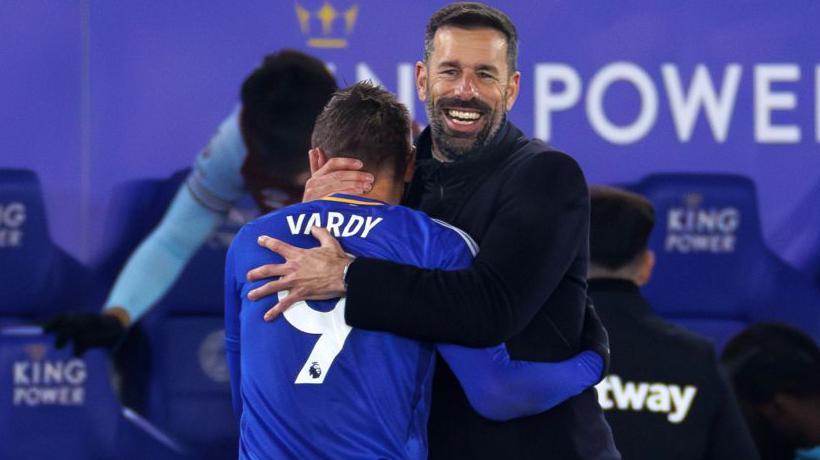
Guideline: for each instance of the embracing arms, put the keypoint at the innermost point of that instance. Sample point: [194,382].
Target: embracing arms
[526,252]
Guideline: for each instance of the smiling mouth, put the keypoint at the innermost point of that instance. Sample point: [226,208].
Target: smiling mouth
[463,116]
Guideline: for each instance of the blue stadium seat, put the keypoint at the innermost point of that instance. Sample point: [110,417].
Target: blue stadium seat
[714,273]
[797,239]
[135,208]
[188,389]
[189,379]
[39,279]
[54,405]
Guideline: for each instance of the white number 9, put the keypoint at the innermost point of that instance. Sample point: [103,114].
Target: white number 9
[332,330]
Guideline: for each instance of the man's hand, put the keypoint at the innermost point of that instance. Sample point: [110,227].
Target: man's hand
[89,330]
[313,274]
[336,175]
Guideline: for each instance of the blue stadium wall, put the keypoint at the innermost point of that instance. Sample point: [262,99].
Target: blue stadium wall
[94,93]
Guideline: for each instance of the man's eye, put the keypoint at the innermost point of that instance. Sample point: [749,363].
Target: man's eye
[486,75]
[449,72]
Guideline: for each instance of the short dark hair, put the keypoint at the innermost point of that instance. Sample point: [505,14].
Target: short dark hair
[280,102]
[620,225]
[368,123]
[769,358]
[471,15]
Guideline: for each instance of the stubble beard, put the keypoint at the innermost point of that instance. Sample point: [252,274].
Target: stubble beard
[450,145]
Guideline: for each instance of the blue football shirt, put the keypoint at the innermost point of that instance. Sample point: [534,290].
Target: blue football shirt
[310,386]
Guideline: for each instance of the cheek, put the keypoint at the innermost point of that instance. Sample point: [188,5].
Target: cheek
[494,94]
[439,88]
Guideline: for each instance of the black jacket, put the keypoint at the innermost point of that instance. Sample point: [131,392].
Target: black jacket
[527,206]
[652,358]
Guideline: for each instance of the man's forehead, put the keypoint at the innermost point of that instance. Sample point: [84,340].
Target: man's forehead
[451,41]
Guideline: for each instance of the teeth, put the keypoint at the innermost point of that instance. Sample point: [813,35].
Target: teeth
[463,115]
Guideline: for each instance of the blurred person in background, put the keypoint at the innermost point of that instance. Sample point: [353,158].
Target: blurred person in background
[775,371]
[665,396]
[259,149]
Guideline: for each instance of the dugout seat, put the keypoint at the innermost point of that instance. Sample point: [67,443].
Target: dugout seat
[187,391]
[55,405]
[714,274]
[797,239]
[38,279]
[135,208]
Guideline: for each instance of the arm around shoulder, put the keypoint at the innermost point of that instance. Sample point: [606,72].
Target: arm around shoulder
[536,233]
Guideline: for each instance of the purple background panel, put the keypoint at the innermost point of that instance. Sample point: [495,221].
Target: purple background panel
[95,93]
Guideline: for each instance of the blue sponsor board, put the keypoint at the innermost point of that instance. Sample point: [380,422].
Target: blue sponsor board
[628,88]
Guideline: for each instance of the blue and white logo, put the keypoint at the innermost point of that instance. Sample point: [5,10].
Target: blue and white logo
[12,219]
[39,381]
[695,229]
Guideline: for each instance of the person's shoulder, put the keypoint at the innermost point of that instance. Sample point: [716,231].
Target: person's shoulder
[673,335]
[216,180]
[532,156]
[227,140]
[546,158]
[697,354]
[454,246]
[455,235]
[546,172]
[528,149]
[413,222]
[445,239]
[671,351]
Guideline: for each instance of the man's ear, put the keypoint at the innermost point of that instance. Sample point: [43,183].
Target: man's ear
[410,169]
[421,80]
[647,266]
[513,88]
[317,159]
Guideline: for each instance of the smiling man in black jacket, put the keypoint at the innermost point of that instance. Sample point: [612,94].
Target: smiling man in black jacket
[525,204]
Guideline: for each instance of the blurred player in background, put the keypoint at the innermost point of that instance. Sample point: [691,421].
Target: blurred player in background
[666,396]
[351,393]
[259,149]
[775,370]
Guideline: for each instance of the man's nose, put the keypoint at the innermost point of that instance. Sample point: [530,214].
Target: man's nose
[466,88]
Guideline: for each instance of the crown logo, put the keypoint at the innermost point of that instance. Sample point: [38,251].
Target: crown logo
[693,199]
[327,16]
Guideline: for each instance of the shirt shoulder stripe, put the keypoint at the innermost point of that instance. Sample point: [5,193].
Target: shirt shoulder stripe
[471,244]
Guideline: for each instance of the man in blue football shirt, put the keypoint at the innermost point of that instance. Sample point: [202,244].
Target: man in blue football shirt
[310,386]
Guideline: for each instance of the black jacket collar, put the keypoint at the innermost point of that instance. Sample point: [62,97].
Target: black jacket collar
[613,285]
[441,189]
[602,289]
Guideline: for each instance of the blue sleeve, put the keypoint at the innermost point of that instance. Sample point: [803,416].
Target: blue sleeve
[233,302]
[499,388]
